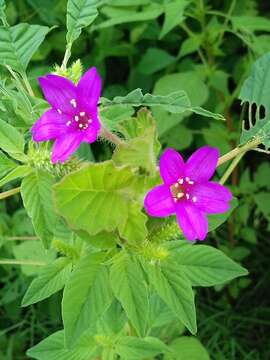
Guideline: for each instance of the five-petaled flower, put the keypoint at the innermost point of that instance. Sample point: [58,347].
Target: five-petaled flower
[73,116]
[188,192]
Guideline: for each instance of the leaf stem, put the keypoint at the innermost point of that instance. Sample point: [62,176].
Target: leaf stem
[66,56]
[21,262]
[111,137]
[231,167]
[27,85]
[21,238]
[9,193]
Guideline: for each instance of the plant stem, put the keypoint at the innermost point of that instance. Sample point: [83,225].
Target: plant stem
[227,18]
[66,57]
[239,150]
[27,85]
[21,262]
[230,169]
[8,193]
[108,135]
[21,238]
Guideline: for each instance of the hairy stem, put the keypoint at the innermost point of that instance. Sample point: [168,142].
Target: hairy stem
[66,57]
[231,167]
[21,262]
[108,135]
[9,193]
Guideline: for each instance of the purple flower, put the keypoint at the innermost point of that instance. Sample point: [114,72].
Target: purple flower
[187,191]
[73,116]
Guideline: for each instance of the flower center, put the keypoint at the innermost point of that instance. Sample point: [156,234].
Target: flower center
[180,190]
[80,121]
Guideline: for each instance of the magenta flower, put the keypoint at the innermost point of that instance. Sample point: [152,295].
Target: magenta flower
[187,191]
[73,116]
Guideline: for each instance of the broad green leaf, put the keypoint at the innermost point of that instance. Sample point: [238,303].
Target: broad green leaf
[34,252]
[51,279]
[2,11]
[154,60]
[255,90]
[52,348]
[172,285]
[128,2]
[190,45]
[174,15]
[122,15]
[18,44]
[130,289]
[11,140]
[250,23]
[6,164]
[133,348]
[112,115]
[134,228]
[80,13]
[207,266]
[214,221]
[187,348]
[36,191]
[262,199]
[87,296]
[18,172]
[95,198]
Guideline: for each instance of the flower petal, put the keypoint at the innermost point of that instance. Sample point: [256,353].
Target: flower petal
[58,91]
[211,197]
[49,126]
[171,166]
[191,221]
[88,90]
[65,145]
[158,202]
[202,164]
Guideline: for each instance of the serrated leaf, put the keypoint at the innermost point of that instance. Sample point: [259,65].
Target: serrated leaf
[95,198]
[133,348]
[255,90]
[172,285]
[52,348]
[11,140]
[129,287]
[51,279]
[174,15]
[80,14]
[18,172]
[87,296]
[18,44]
[36,191]
[6,164]
[206,266]
[134,228]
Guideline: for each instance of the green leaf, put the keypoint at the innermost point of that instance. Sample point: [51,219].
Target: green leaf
[255,90]
[112,115]
[187,348]
[36,191]
[174,15]
[51,279]
[18,44]
[154,60]
[262,199]
[170,282]
[95,198]
[129,287]
[133,348]
[11,140]
[134,228]
[52,348]
[206,266]
[80,14]
[250,23]
[87,296]
[18,172]
[214,221]
[6,164]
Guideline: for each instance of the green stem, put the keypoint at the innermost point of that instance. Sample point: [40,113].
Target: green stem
[225,24]
[66,56]
[239,150]
[9,193]
[108,135]
[21,262]
[21,238]
[27,85]
[231,167]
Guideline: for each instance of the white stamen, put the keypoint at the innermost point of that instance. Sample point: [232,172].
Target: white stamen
[181,181]
[73,102]
[68,123]
[82,113]
[176,185]
[194,198]
[80,126]
[191,182]
[187,196]
[76,118]
[179,195]
[59,111]
[187,179]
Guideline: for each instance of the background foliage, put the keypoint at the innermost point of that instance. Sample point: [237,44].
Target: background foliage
[205,48]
